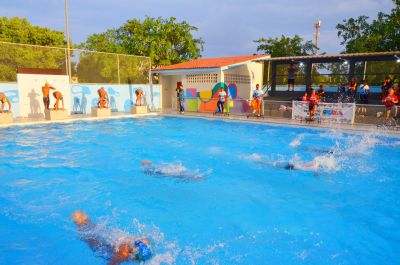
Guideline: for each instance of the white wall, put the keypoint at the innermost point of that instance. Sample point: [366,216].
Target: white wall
[254,71]
[31,97]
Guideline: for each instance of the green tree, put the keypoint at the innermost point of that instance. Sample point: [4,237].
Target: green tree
[381,34]
[165,41]
[12,56]
[285,46]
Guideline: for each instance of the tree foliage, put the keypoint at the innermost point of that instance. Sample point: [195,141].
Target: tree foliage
[165,41]
[381,34]
[285,46]
[19,30]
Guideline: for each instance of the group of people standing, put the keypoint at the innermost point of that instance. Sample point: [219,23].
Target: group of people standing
[255,103]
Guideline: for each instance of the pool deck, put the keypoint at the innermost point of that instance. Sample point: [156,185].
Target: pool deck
[395,131]
[74,118]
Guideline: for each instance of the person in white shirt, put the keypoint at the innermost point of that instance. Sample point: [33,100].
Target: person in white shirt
[364,94]
[221,100]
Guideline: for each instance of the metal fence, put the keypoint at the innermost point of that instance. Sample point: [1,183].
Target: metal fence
[364,114]
[86,66]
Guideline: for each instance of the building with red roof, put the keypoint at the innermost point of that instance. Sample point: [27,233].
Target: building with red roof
[200,77]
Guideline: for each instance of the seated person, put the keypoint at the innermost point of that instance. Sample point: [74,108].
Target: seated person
[103,98]
[390,102]
[100,240]
[58,96]
[4,100]
[139,94]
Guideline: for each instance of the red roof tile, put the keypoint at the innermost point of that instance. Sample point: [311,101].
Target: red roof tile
[210,62]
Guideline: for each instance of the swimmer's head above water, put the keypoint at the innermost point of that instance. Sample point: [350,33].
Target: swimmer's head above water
[80,218]
[146,162]
[290,166]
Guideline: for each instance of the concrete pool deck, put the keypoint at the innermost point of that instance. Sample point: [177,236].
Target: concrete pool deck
[73,118]
[395,131]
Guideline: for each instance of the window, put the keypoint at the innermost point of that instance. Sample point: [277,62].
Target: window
[237,79]
[202,78]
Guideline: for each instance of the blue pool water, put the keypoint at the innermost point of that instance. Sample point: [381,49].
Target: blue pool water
[235,206]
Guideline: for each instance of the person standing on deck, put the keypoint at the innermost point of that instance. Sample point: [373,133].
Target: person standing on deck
[352,89]
[292,69]
[313,100]
[221,100]
[257,101]
[46,98]
[364,95]
[181,98]
[58,96]
[390,102]
[139,93]
[103,98]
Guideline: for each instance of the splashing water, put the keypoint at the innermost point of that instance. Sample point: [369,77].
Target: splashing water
[253,157]
[175,170]
[297,141]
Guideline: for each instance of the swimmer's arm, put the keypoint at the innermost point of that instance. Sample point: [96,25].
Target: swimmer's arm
[121,256]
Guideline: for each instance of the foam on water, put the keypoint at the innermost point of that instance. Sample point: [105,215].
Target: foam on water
[178,170]
[297,141]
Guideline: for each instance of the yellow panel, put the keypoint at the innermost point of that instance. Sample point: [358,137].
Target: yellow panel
[206,94]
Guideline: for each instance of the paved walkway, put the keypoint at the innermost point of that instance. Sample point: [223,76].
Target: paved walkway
[73,118]
[289,122]
[169,112]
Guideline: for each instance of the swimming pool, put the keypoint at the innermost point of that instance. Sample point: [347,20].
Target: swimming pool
[238,206]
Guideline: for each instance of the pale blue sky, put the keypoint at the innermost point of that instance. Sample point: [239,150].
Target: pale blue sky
[227,26]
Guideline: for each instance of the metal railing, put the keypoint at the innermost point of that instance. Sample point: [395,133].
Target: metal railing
[364,114]
[86,66]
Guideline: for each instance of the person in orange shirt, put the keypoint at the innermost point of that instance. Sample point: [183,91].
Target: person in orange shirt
[257,100]
[390,101]
[312,104]
[58,96]
[103,98]
[46,92]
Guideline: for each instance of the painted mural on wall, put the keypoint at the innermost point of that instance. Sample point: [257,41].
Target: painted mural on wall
[84,96]
[206,101]
[122,97]
[11,92]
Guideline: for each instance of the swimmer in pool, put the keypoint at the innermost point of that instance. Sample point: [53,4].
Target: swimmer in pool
[289,165]
[123,248]
[175,170]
